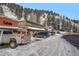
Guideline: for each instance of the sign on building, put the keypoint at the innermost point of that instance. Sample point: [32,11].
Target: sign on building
[7,22]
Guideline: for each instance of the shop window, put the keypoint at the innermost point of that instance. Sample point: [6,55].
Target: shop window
[7,32]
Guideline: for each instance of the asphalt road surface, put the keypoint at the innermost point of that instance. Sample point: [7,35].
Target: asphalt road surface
[51,46]
[73,39]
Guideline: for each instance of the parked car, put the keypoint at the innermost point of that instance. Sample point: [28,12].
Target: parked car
[52,33]
[58,32]
[42,34]
[13,39]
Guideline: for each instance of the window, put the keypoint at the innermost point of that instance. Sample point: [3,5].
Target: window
[7,32]
[0,32]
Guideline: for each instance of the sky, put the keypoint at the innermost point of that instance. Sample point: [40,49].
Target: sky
[70,10]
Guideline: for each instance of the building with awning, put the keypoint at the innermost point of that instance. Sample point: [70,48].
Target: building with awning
[30,26]
[17,24]
[34,28]
[7,23]
[22,28]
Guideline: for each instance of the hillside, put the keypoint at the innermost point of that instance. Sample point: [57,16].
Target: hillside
[42,17]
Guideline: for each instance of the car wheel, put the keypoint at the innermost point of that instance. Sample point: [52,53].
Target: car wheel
[13,44]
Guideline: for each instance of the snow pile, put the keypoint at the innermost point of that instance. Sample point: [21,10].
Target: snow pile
[43,19]
[8,13]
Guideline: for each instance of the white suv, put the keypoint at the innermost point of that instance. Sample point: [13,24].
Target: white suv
[9,37]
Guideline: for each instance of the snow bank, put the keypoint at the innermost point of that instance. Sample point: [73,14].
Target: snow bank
[8,13]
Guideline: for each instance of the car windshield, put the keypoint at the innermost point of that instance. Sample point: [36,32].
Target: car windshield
[42,33]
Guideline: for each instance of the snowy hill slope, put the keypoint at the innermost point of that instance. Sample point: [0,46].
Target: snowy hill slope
[8,13]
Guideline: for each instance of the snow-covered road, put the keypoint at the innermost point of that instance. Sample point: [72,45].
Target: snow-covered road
[52,46]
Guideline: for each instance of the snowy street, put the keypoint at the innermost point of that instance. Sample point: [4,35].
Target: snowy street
[47,30]
[52,46]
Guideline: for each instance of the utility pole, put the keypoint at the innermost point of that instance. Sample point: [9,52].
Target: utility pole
[60,23]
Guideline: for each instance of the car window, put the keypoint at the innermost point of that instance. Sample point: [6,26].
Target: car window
[7,32]
[0,32]
[42,33]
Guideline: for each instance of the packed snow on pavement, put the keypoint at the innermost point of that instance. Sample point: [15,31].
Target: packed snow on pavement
[52,46]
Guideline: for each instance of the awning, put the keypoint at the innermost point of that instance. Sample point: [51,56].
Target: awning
[34,28]
[9,27]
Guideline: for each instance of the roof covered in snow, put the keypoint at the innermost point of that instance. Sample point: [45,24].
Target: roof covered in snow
[34,28]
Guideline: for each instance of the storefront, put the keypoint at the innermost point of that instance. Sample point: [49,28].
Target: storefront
[34,30]
[18,31]
[30,27]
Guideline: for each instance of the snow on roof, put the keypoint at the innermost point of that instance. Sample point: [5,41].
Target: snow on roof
[34,28]
[8,13]
[9,27]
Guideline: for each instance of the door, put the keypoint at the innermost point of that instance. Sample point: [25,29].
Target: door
[7,34]
[1,33]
